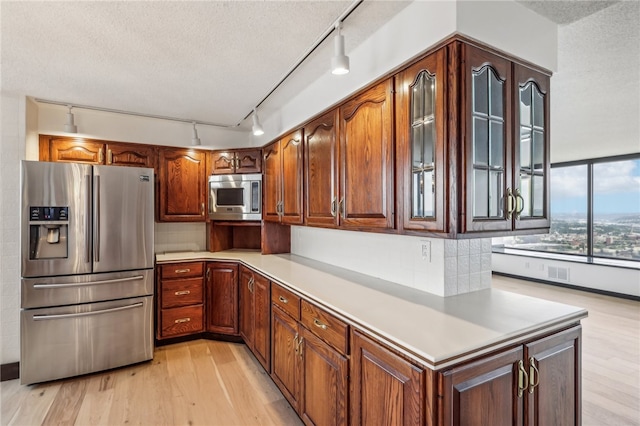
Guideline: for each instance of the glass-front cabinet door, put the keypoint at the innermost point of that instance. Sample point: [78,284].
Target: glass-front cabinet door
[531,186]
[420,143]
[490,199]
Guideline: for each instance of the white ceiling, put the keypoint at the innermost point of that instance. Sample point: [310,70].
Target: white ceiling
[208,61]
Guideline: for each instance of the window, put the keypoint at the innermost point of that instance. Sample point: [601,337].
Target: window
[595,210]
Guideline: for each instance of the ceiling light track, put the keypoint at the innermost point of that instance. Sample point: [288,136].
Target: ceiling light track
[136,114]
[334,27]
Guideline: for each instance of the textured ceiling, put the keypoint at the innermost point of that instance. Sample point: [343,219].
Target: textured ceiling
[567,11]
[209,61]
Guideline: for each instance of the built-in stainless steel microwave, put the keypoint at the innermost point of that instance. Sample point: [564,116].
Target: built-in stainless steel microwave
[235,197]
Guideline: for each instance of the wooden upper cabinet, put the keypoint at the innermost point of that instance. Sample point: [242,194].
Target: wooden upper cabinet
[236,161]
[531,148]
[282,184]
[321,170]
[366,159]
[420,144]
[130,155]
[292,155]
[89,151]
[182,185]
[271,186]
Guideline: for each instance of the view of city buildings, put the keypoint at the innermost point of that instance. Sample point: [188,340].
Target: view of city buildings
[616,212]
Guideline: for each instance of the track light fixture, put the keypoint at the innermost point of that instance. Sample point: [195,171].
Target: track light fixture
[340,61]
[257,127]
[195,140]
[70,126]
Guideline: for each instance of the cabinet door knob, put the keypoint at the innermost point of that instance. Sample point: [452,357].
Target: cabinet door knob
[283,300]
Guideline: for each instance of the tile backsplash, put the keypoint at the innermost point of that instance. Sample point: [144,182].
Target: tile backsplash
[448,267]
[171,237]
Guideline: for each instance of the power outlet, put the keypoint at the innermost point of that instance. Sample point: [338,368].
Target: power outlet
[425,247]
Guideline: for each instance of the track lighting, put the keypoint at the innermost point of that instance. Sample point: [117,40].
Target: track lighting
[340,61]
[69,126]
[195,140]
[257,127]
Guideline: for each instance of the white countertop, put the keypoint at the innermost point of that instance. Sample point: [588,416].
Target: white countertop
[439,331]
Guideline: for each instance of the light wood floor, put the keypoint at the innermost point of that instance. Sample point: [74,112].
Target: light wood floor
[217,383]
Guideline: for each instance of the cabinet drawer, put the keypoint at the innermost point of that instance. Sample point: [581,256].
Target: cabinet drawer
[325,326]
[182,292]
[182,270]
[287,301]
[182,321]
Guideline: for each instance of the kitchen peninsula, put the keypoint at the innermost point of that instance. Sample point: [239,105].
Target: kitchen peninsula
[489,354]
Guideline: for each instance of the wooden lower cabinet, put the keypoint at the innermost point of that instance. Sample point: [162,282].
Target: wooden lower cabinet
[180,305]
[285,366]
[537,383]
[324,378]
[222,297]
[255,296]
[386,389]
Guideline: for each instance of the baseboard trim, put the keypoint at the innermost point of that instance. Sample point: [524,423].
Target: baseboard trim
[9,371]
[571,286]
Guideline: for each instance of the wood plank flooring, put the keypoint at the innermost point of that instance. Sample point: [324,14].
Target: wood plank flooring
[218,383]
[194,383]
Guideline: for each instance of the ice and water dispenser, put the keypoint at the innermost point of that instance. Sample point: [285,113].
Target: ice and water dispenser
[48,232]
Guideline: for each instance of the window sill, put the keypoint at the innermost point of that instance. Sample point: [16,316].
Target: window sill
[616,263]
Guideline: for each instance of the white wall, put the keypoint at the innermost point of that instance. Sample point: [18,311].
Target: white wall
[595,95]
[599,277]
[128,128]
[12,150]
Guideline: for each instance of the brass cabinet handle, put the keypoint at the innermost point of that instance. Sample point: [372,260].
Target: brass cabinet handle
[236,162]
[201,209]
[283,300]
[109,156]
[519,203]
[341,207]
[333,207]
[100,156]
[250,284]
[523,379]
[182,271]
[533,372]
[510,203]
[300,347]
[295,343]
[182,320]
[182,292]
[319,324]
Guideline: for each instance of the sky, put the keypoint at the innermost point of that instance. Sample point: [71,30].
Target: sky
[616,188]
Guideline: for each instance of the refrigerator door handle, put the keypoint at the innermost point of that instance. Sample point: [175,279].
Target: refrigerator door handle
[87,249]
[87,283]
[96,220]
[85,314]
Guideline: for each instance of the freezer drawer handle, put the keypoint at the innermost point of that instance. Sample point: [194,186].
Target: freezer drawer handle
[86,314]
[116,280]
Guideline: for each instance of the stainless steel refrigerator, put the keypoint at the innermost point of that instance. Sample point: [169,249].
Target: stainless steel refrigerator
[87,269]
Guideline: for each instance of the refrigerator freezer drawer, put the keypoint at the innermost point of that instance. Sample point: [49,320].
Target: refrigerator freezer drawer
[72,340]
[76,289]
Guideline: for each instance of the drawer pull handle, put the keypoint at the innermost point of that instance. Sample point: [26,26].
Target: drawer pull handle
[182,271]
[182,292]
[318,324]
[282,299]
[181,320]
